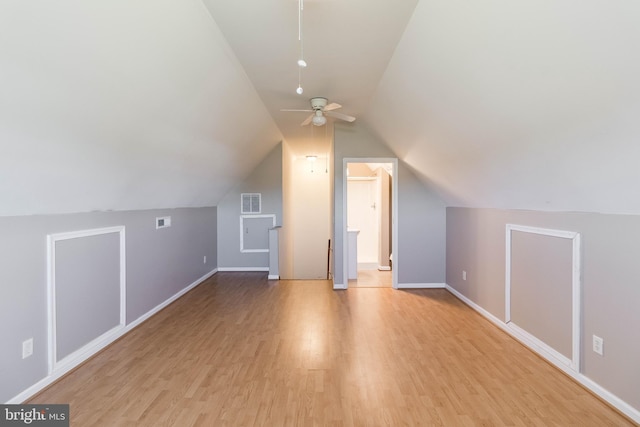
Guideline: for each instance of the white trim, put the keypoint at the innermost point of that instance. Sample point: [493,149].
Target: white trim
[421,285]
[394,215]
[243,269]
[539,346]
[576,302]
[339,286]
[384,268]
[273,277]
[583,380]
[493,319]
[162,305]
[242,218]
[53,377]
[52,239]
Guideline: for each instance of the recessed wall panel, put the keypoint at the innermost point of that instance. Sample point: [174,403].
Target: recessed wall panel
[541,288]
[87,290]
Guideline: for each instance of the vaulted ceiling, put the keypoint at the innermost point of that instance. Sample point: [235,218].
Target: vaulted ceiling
[166,103]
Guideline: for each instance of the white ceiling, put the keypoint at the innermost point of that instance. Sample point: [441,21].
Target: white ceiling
[347,45]
[166,103]
[520,105]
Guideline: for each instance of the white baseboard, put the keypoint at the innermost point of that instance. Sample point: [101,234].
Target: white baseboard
[421,285]
[585,381]
[273,277]
[243,269]
[384,268]
[99,344]
[339,286]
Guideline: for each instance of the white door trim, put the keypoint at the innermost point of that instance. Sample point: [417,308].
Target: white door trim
[52,239]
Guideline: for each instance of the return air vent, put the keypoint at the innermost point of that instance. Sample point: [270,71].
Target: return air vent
[251,203]
[163,222]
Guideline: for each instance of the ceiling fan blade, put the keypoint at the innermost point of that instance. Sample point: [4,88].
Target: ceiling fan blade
[306,111]
[341,116]
[332,106]
[307,120]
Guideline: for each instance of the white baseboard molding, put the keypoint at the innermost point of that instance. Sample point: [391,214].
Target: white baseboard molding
[339,286]
[585,381]
[384,268]
[540,347]
[421,285]
[273,277]
[243,269]
[99,344]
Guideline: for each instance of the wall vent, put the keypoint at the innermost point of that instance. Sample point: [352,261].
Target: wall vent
[163,222]
[251,203]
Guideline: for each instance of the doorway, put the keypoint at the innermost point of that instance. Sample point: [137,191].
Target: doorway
[370,193]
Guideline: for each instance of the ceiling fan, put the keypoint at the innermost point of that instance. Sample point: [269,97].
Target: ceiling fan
[320,110]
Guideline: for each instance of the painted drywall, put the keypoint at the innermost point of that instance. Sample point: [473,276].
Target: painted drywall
[310,219]
[122,105]
[610,290]
[87,290]
[265,179]
[362,216]
[384,249]
[541,288]
[518,105]
[421,214]
[160,263]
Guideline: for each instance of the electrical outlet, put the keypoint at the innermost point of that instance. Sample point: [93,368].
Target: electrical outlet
[598,345]
[204,260]
[27,348]
[464,275]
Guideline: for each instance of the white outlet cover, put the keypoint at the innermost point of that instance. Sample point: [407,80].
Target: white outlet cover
[464,275]
[598,345]
[27,348]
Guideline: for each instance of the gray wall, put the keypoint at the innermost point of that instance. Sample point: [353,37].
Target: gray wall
[266,178]
[87,288]
[160,263]
[610,286]
[421,214]
[542,288]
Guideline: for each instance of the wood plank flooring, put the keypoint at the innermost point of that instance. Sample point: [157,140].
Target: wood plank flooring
[372,279]
[241,351]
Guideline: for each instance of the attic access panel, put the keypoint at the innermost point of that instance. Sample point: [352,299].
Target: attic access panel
[254,232]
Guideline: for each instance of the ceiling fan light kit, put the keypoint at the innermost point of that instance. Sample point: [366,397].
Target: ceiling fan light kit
[319,119]
[320,110]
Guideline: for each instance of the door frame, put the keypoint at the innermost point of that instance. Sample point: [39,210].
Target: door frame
[394,214]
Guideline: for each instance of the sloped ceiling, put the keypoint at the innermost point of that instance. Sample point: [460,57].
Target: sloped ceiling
[347,45]
[113,105]
[525,105]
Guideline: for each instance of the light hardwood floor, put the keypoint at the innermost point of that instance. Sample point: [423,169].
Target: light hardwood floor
[241,351]
[372,279]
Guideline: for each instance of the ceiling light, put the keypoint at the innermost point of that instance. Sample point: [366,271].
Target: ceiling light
[319,120]
[299,90]
[302,63]
[312,158]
